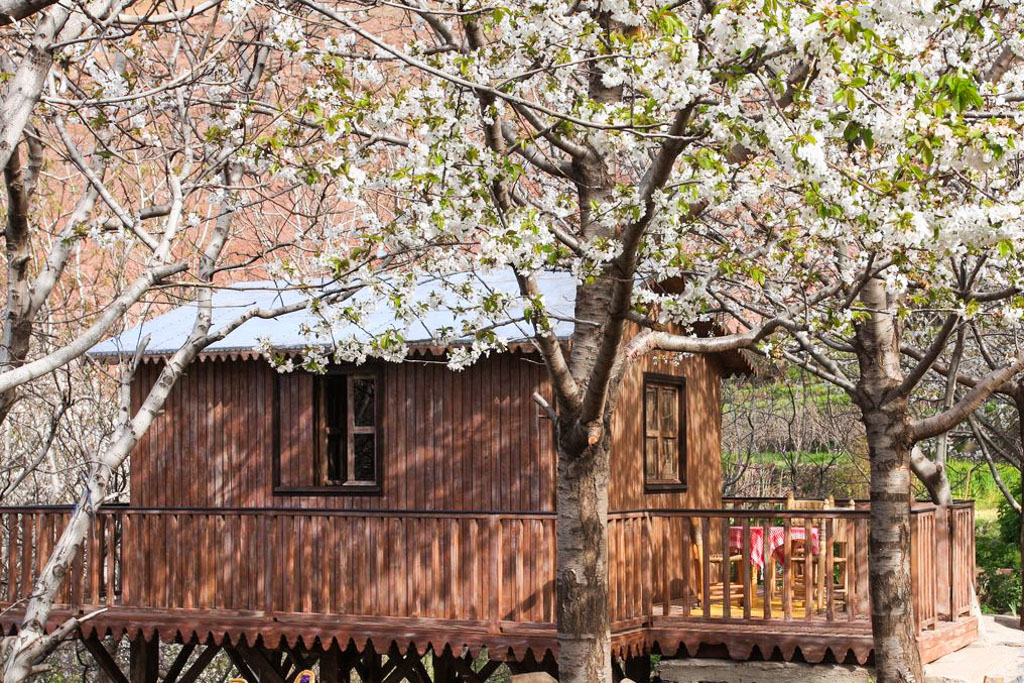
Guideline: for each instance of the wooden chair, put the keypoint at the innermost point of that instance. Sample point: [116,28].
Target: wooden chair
[719,560]
[723,562]
[842,535]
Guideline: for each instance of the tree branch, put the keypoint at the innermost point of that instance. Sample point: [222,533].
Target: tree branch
[927,427]
[665,341]
[93,334]
[930,355]
[983,444]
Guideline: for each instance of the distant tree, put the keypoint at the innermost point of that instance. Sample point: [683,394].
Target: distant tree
[788,431]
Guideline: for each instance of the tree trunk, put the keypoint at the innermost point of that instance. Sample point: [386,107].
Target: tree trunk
[17,326]
[31,644]
[884,412]
[584,633]
[897,657]
[1018,399]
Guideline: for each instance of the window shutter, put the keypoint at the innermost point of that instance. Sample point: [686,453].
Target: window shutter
[298,411]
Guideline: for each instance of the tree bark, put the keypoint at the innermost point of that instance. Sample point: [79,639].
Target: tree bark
[897,657]
[17,326]
[16,10]
[933,475]
[1018,399]
[886,418]
[584,632]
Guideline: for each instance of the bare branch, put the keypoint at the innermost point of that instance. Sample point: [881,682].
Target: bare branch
[930,355]
[983,443]
[93,334]
[927,427]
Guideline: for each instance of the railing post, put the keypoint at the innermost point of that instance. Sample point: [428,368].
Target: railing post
[915,569]
[497,567]
[119,558]
[268,574]
[950,538]
[647,566]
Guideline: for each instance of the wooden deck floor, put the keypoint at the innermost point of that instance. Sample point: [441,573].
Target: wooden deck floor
[812,640]
[798,610]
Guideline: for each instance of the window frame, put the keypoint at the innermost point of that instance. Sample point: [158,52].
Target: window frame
[679,382]
[318,453]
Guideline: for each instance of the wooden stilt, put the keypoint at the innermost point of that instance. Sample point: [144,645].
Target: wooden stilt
[529,664]
[199,665]
[443,671]
[106,662]
[178,665]
[372,669]
[145,660]
[299,661]
[259,664]
[330,665]
[405,666]
[276,658]
[241,665]
[637,668]
[452,668]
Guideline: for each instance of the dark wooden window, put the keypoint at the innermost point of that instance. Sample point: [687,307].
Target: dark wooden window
[336,448]
[347,423]
[664,429]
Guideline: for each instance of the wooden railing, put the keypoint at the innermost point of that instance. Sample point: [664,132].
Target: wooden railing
[942,562]
[481,567]
[488,568]
[28,535]
[717,565]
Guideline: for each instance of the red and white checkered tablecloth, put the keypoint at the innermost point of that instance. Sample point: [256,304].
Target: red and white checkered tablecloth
[776,541]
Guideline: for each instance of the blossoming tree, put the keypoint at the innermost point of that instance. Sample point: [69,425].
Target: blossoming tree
[806,167]
[183,178]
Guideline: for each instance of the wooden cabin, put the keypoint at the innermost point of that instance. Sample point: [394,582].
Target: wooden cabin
[357,518]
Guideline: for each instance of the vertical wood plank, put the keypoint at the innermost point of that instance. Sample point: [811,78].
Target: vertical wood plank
[437,597]
[705,529]
[863,600]
[77,572]
[915,568]
[27,546]
[495,564]
[685,554]
[769,565]
[745,567]
[787,570]
[95,558]
[668,569]
[829,571]
[11,527]
[647,571]
[726,569]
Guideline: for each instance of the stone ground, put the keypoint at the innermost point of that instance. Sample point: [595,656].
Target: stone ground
[996,657]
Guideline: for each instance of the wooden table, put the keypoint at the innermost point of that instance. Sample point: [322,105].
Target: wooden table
[776,541]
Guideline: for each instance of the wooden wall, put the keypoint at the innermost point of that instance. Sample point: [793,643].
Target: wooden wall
[472,440]
[703,436]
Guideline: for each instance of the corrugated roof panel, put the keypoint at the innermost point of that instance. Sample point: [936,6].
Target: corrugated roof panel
[169,331]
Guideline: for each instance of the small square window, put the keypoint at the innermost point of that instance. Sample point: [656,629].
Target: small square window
[664,422]
[328,433]
[346,423]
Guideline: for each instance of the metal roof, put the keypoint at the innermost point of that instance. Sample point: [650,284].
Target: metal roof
[443,308]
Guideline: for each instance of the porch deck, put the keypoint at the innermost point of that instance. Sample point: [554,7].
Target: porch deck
[312,578]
